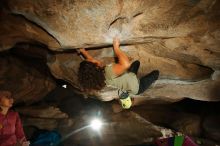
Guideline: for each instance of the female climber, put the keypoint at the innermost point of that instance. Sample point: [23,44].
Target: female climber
[93,75]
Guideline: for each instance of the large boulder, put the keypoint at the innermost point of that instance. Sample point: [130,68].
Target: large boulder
[211,127]
[179,38]
[126,128]
[177,79]
[15,29]
[93,23]
[27,83]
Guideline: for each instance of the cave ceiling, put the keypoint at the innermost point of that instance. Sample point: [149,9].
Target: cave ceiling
[179,38]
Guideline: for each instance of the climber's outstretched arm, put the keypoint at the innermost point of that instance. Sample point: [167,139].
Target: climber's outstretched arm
[88,57]
[123,61]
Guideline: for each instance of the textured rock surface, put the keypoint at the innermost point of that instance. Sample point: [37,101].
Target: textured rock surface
[177,80]
[47,112]
[179,38]
[68,21]
[212,128]
[123,129]
[16,29]
[25,82]
[41,123]
[184,122]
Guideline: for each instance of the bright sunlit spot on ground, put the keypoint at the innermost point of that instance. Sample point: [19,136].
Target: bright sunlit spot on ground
[96,124]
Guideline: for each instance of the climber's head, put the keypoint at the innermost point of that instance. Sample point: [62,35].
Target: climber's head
[91,76]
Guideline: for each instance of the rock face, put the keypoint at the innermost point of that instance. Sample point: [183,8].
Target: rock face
[122,129]
[16,29]
[26,83]
[211,127]
[68,21]
[179,38]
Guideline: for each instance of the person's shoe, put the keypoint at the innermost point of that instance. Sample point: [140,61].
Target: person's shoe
[134,67]
[155,74]
[148,80]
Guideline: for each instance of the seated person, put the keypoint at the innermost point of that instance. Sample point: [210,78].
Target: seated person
[11,130]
